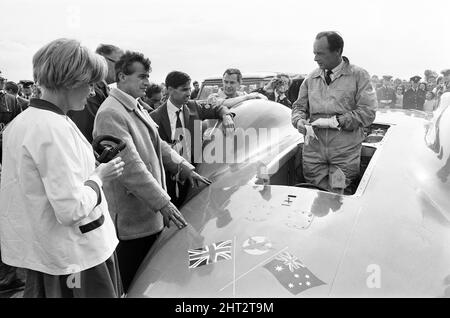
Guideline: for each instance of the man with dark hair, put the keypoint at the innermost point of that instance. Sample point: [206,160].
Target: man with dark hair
[196,90]
[84,119]
[177,118]
[230,95]
[336,101]
[138,200]
[13,89]
[414,98]
[386,94]
[153,96]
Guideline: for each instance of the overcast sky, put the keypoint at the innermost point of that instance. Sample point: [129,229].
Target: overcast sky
[204,37]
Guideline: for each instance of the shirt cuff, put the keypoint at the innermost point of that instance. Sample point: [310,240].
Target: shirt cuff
[95,184]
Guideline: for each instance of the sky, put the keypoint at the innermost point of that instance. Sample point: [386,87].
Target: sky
[204,37]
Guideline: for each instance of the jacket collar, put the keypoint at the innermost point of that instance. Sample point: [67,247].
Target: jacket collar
[344,71]
[165,122]
[45,105]
[126,100]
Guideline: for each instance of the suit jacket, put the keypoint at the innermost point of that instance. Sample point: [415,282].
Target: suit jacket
[414,99]
[84,119]
[136,197]
[192,112]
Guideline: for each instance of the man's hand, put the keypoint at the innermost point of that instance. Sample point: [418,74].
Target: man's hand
[110,170]
[326,123]
[195,178]
[228,124]
[301,126]
[171,213]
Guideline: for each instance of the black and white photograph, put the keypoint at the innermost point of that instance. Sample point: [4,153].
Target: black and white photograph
[224,155]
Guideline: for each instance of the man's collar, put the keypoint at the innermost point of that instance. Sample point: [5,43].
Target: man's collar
[127,100]
[171,107]
[338,68]
[342,68]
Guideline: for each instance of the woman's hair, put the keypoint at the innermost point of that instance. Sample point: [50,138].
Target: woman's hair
[64,63]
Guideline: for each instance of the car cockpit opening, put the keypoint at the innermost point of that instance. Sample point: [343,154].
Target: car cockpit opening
[287,168]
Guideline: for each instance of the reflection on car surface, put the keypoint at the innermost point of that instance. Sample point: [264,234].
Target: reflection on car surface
[254,233]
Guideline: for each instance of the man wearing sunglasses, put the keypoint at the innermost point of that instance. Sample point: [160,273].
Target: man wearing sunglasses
[84,119]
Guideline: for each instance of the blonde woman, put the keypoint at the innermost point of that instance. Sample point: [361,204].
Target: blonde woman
[54,219]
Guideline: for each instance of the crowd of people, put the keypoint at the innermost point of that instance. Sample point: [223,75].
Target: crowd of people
[417,93]
[64,211]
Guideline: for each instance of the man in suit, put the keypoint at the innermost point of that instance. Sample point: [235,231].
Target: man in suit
[138,200]
[414,98]
[177,118]
[386,94]
[84,119]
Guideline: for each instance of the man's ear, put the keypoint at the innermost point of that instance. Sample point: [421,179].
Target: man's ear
[121,77]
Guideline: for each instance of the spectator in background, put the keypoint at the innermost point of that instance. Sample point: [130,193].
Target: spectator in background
[414,97]
[153,96]
[13,89]
[276,89]
[423,86]
[430,103]
[26,88]
[196,90]
[399,97]
[84,118]
[386,94]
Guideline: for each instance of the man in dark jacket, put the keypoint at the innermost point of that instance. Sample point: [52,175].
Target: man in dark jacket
[177,118]
[84,119]
[414,98]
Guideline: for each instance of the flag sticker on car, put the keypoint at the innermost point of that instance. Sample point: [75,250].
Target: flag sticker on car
[257,245]
[210,254]
[292,274]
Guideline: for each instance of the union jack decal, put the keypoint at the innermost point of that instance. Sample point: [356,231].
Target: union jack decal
[210,254]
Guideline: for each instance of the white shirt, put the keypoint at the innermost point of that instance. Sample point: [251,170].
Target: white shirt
[43,199]
[172,113]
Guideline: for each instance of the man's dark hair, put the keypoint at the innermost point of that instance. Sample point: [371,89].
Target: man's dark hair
[153,89]
[232,71]
[106,49]
[335,41]
[11,86]
[175,79]
[195,82]
[125,62]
